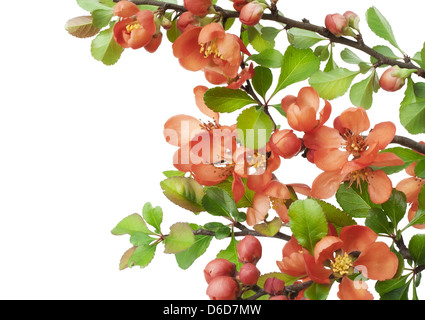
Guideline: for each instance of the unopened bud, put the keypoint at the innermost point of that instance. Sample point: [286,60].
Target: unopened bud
[198,7]
[219,267]
[285,143]
[125,9]
[154,44]
[336,23]
[166,24]
[391,80]
[223,288]
[249,250]
[251,13]
[353,19]
[274,286]
[249,274]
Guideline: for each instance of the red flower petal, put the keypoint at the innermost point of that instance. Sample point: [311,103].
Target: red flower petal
[353,290]
[325,248]
[355,119]
[330,159]
[323,137]
[316,271]
[383,133]
[380,187]
[357,238]
[326,184]
[308,97]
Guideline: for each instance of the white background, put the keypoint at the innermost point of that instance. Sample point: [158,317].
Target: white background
[82,147]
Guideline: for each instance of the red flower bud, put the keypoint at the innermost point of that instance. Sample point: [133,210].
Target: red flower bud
[223,288]
[274,286]
[125,9]
[239,4]
[249,250]
[153,45]
[249,274]
[391,82]
[279,297]
[336,23]
[198,7]
[186,21]
[353,19]
[219,267]
[251,14]
[285,143]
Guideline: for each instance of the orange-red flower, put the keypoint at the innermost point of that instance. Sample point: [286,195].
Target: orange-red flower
[136,28]
[198,7]
[211,49]
[354,251]
[301,111]
[346,155]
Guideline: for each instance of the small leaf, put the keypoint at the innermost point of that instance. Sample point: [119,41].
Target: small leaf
[303,39]
[386,51]
[126,257]
[298,65]
[332,84]
[91,5]
[142,256]
[105,49]
[377,220]
[81,27]
[269,58]
[269,228]
[355,201]
[184,192]
[380,26]
[187,257]
[412,117]
[307,222]
[395,207]
[231,253]
[336,216]
[419,218]
[218,202]
[130,225]
[383,287]
[140,238]
[349,56]
[153,216]
[256,39]
[180,238]
[173,33]
[102,17]
[419,89]
[262,80]
[269,33]
[221,99]
[420,169]
[317,291]
[361,93]
[417,248]
[254,128]
[173,173]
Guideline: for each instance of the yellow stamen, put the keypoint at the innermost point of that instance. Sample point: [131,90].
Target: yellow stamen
[210,48]
[276,202]
[342,265]
[355,144]
[133,26]
[258,160]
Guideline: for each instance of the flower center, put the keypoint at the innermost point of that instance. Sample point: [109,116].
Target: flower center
[210,48]
[257,160]
[133,26]
[355,144]
[342,265]
[277,203]
[359,176]
[210,126]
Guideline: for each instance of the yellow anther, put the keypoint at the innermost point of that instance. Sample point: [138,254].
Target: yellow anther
[276,202]
[258,160]
[342,265]
[210,48]
[132,26]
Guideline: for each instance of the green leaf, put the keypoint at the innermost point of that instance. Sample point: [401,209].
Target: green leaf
[102,17]
[419,89]
[231,253]
[361,93]
[420,169]
[81,27]
[386,51]
[269,58]
[380,26]
[256,39]
[423,55]
[412,117]
[317,291]
[269,33]
[184,192]
[322,52]
[218,202]
[153,216]
[377,220]
[221,99]
[130,225]
[417,248]
[180,238]
[298,65]
[303,39]
[336,216]
[173,173]
[269,228]
[419,218]
[349,56]
[105,49]
[355,201]
[332,84]
[91,5]
[407,155]
[254,128]
[248,196]
[187,257]
[307,222]
[383,287]
[395,207]
[262,80]
[173,33]
[142,256]
[140,238]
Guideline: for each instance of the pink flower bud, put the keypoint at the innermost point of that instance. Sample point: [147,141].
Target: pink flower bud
[153,45]
[391,82]
[336,23]
[218,267]
[223,288]
[239,4]
[249,274]
[186,21]
[198,7]
[251,14]
[249,250]
[125,9]
[285,143]
[353,19]
[274,286]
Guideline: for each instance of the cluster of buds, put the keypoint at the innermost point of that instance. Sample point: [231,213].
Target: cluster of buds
[224,281]
[342,25]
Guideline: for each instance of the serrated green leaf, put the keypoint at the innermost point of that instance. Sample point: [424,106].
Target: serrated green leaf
[269,58]
[140,238]
[153,216]
[186,258]
[332,84]
[303,39]
[336,216]
[269,228]
[298,65]
[142,256]
[130,225]
[91,5]
[395,207]
[355,201]
[180,238]
[412,117]
[254,128]
[231,253]
[361,93]
[105,49]
[218,202]
[173,173]
[386,51]
[380,26]
[248,196]
[349,56]
[184,192]
[377,220]
[307,222]
[262,80]
[417,248]
[420,169]
[223,100]
[102,17]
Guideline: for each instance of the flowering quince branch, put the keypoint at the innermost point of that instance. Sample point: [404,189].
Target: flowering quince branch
[230,171]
